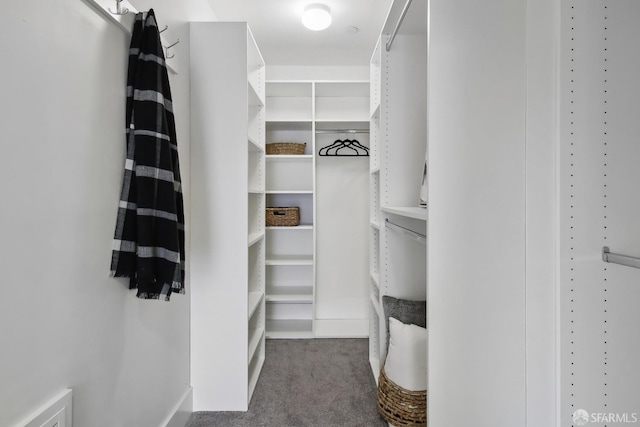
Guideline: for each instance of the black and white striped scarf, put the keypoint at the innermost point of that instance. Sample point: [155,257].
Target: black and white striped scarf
[148,244]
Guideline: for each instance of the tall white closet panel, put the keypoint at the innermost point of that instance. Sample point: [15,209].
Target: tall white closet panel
[599,206]
[228,204]
[476,227]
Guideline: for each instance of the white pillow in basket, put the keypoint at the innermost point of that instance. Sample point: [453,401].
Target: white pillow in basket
[406,363]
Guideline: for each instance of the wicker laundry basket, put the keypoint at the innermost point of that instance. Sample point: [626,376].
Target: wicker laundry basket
[399,406]
[286,147]
[289,217]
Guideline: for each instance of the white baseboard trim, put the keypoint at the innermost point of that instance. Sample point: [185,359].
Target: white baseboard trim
[181,412]
[342,328]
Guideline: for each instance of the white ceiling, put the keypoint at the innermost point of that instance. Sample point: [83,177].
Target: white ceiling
[283,40]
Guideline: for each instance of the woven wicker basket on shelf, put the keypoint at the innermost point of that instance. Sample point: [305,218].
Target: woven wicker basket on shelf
[286,147]
[278,217]
[399,406]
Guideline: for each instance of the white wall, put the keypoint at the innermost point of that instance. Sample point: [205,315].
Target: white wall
[66,324]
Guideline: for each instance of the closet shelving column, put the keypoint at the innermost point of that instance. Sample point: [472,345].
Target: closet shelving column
[256,89]
[290,254]
[228,201]
[401,139]
[341,113]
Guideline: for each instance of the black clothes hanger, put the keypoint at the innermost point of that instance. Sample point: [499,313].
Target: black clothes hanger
[324,151]
[345,148]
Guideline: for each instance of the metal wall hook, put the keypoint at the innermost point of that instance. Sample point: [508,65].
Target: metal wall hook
[119,9]
[166,49]
[164,29]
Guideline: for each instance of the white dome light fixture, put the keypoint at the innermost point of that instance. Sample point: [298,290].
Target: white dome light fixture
[316,17]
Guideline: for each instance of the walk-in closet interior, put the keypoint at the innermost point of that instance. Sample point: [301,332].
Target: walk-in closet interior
[448,186]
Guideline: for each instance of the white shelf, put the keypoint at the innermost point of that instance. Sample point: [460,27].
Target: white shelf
[254,373]
[290,294]
[255,337]
[254,302]
[361,117]
[300,288]
[289,124]
[291,228]
[375,110]
[254,98]
[290,299]
[289,192]
[288,157]
[290,260]
[375,367]
[407,211]
[356,122]
[254,145]
[255,238]
[289,328]
[376,305]
[375,224]
[375,278]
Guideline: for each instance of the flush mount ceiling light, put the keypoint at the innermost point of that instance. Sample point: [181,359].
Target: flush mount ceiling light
[316,17]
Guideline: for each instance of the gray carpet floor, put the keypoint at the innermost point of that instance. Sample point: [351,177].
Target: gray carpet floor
[305,383]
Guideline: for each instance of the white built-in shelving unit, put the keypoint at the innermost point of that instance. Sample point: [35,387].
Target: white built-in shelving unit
[398,151]
[290,253]
[313,112]
[227,216]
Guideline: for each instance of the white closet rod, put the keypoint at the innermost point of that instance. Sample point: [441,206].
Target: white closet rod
[124,16]
[398,24]
[409,233]
[629,261]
